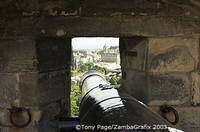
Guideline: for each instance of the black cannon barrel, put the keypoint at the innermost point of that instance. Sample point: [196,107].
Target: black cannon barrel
[102,105]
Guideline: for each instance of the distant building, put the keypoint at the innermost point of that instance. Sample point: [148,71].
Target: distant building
[110,57]
[84,57]
[75,61]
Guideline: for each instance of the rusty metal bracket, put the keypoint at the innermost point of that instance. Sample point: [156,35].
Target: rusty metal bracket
[15,110]
[167,109]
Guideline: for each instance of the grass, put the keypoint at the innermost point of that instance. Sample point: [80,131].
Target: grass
[75,73]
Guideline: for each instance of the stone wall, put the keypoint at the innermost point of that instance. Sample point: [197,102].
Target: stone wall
[35,73]
[159,68]
[189,119]
[164,71]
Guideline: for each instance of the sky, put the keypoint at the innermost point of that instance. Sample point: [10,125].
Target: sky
[81,43]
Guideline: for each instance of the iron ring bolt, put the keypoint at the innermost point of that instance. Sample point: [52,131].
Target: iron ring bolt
[14,111]
[165,109]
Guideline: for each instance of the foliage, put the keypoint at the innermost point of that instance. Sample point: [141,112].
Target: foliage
[90,66]
[101,51]
[74,73]
[75,100]
[114,80]
[76,92]
[99,69]
[84,67]
[113,47]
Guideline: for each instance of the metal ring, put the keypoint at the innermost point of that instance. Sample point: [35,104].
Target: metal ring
[166,109]
[14,110]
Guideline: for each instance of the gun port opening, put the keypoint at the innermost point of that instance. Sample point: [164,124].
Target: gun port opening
[93,53]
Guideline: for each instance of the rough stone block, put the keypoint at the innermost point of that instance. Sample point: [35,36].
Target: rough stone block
[173,54]
[28,84]
[135,83]
[9,89]
[22,117]
[43,119]
[4,118]
[141,7]
[189,117]
[35,55]
[133,53]
[43,88]
[35,75]
[53,86]
[4,129]
[158,89]
[33,89]
[53,53]
[195,88]
[16,8]
[17,55]
[173,89]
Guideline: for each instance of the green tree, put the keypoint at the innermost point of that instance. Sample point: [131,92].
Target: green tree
[83,67]
[90,66]
[113,81]
[75,100]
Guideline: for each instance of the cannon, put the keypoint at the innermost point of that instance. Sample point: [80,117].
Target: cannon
[104,108]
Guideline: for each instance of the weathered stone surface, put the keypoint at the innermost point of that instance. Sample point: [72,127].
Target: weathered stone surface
[133,53]
[53,53]
[4,129]
[22,117]
[4,118]
[135,83]
[35,55]
[28,27]
[35,73]
[9,89]
[173,89]
[119,26]
[43,119]
[28,84]
[33,89]
[101,7]
[195,88]
[43,88]
[143,7]
[189,117]
[53,86]
[43,59]
[173,55]
[17,55]
[12,7]
[158,89]
[51,114]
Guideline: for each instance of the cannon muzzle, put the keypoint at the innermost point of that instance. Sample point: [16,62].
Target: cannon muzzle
[104,108]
